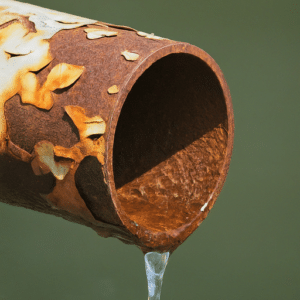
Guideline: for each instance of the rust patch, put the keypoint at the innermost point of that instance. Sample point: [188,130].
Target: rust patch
[65,196]
[18,152]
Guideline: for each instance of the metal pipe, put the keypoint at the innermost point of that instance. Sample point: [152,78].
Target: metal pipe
[122,131]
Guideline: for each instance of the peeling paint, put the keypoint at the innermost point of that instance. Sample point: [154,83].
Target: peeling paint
[91,143]
[44,162]
[85,125]
[91,140]
[61,76]
[130,55]
[113,89]
[25,31]
[96,33]
[30,50]
[45,152]
[150,36]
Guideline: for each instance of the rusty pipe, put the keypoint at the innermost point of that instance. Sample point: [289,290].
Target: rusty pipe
[126,132]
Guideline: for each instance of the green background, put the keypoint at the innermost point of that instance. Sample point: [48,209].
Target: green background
[248,247]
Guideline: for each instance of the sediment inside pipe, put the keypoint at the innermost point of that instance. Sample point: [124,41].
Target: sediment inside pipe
[170,143]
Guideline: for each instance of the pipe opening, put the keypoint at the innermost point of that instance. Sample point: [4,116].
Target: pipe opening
[170,143]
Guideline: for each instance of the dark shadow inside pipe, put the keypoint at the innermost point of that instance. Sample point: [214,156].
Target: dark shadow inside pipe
[170,142]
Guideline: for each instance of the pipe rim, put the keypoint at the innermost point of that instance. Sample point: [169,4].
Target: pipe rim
[170,238]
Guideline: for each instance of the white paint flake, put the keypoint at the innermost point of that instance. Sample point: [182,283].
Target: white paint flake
[204,206]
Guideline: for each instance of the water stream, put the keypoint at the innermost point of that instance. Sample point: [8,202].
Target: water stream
[155,264]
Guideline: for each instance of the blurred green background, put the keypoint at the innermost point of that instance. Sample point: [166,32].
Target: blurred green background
[248,247]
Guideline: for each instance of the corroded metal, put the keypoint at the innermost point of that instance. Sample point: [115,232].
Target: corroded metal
[126,132]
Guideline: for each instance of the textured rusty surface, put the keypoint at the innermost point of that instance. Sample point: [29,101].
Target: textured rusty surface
[167,143]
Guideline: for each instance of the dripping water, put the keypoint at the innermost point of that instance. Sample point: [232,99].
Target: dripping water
[155,264]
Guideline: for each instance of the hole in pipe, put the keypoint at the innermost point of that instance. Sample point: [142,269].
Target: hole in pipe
[170,143]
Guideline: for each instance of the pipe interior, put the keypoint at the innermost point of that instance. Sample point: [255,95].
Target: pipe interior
[170,143]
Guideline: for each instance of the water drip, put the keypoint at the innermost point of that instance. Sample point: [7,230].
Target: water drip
[155,264]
